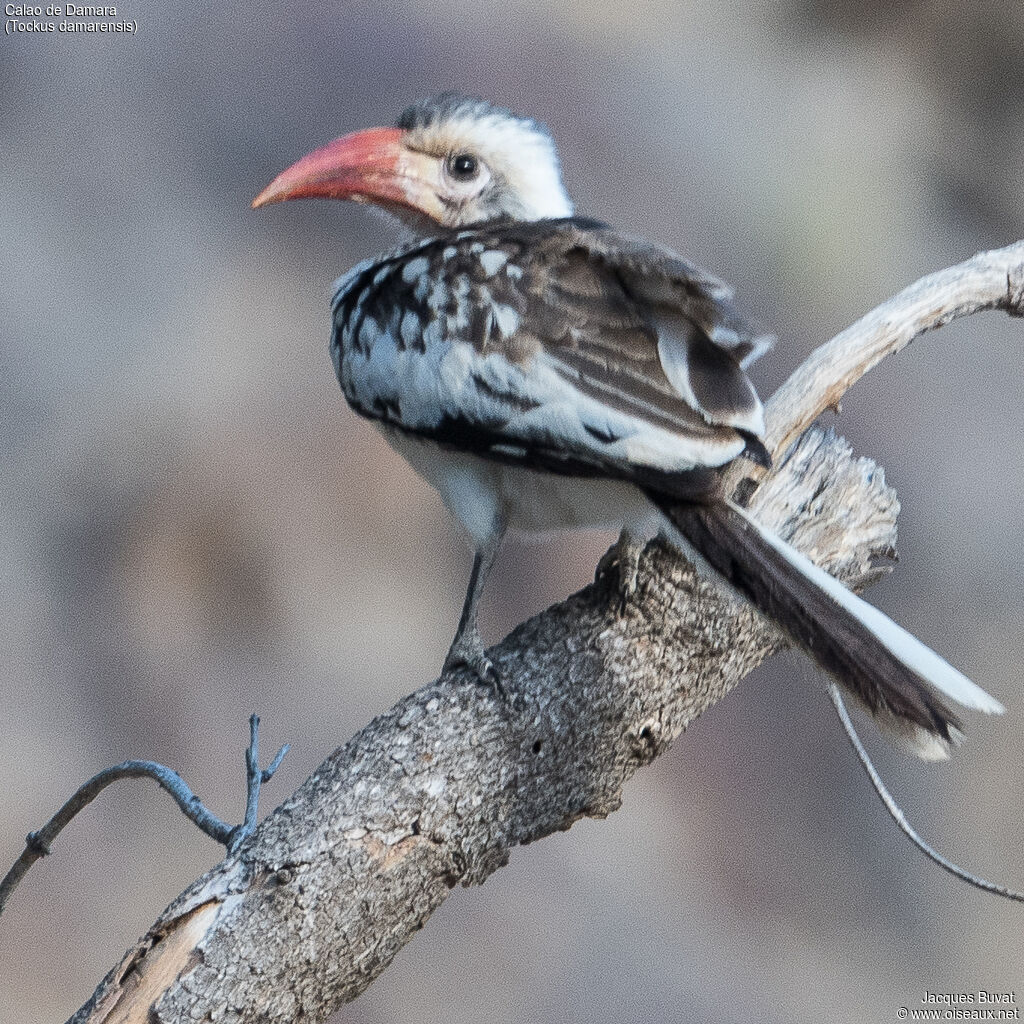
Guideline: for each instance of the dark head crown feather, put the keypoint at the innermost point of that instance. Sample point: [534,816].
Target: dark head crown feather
[449,105]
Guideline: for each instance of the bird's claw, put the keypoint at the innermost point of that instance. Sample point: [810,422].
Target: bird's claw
[466,654]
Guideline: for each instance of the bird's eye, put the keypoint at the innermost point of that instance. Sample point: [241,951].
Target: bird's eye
[463,166]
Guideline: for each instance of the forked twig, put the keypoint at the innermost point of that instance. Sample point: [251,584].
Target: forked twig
[38,843]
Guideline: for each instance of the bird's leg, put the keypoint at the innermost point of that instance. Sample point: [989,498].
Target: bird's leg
[620,566]
[467,647]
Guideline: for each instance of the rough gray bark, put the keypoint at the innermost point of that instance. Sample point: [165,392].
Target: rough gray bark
[439,789]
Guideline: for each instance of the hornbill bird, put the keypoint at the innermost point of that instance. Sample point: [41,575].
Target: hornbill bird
[544,371]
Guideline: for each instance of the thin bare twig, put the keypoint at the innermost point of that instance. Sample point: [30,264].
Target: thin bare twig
[255,777]
[38,843]
[896,812]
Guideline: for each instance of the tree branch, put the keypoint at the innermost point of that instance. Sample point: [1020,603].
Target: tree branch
[989,280]
[439,789]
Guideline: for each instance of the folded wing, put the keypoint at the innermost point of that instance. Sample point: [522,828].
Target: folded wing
[559,344]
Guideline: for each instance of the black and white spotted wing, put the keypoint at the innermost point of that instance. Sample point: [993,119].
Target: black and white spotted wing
[558,344]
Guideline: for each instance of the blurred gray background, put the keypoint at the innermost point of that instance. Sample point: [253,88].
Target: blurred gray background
[193,525]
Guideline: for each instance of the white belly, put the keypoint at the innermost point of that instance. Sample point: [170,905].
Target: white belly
[479,492]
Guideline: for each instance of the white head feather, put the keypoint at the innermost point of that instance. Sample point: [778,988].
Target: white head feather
[517,170]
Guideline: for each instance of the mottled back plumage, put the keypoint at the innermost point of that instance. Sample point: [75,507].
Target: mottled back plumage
[595,353]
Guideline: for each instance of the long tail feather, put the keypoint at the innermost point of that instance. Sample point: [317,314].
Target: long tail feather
[903,683]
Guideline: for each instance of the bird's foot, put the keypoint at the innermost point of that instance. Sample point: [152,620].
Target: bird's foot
[467,651]
[619,570]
